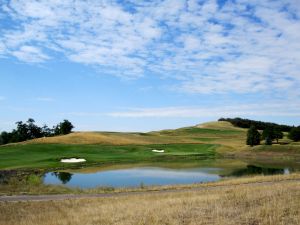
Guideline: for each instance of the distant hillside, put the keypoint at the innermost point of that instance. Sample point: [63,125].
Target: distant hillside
[221,133]
[246,123]
[218,125]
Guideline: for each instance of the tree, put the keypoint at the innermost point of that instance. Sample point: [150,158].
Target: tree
[28,130]
[294,134]
[5,136]
[277,134]
[46,131]
[268,135]
[64,127]
[246,123]
[268,141]
[21,133]
[253,136]
[33,130]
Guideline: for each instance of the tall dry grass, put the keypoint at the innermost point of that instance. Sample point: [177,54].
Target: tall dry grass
[265,203]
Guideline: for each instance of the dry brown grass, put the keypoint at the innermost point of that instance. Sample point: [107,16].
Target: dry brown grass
[41,189]
[252,204]
[108,138]
[228,142]
[93,138]
[219,125]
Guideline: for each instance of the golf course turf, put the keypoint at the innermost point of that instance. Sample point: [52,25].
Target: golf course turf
[49,155]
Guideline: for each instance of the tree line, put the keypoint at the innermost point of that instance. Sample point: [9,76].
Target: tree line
[246,123]
[269,134]
[29,130]
[270,131]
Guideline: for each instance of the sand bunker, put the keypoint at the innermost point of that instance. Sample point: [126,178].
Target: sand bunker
[72,160]
[160,151]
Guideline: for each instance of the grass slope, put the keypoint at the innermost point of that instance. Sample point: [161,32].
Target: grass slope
[206,140]
[49,155]
[195,134]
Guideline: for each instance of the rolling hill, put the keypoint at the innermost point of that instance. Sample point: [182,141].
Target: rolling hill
[223,133]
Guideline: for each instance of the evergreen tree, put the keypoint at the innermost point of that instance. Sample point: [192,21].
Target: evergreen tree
[268,141]
[294,134]
[268,135]
[246,123]
[253,136]
[277,134]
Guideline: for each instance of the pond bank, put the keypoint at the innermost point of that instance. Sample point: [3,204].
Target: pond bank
[253,181]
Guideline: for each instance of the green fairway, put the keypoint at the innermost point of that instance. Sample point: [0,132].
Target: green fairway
[49,155]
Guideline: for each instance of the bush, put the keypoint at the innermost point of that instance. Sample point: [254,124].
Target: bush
[34,180]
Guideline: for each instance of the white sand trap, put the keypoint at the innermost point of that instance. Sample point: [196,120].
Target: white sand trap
[159,151]
[72,160]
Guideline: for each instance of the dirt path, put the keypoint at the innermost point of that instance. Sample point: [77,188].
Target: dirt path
[17,198]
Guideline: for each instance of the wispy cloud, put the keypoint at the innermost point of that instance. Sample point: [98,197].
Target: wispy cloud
[275,109]
[83,114]
[208,47]
[146,88]
[45,99]
[2,98]
[30,54]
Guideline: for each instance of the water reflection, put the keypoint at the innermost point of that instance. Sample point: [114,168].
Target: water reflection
[152,174]
[133,177]
[64,177]
[252,170]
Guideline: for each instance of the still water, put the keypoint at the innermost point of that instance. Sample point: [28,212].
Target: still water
[133,177]
[155,175]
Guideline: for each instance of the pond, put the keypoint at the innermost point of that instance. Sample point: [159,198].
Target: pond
[159,174]
[133,177]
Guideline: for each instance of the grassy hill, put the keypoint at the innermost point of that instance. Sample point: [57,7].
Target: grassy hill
[204,141]
[213,132]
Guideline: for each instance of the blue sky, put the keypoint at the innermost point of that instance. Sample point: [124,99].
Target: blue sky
[128,66]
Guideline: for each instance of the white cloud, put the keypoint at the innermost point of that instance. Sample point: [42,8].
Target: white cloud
[242,46]
[83,114]
[272,109]
[2,49]
[146,88]
[30,54]
[45,99]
